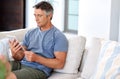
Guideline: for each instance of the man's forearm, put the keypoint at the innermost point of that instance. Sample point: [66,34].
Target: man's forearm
[56,63]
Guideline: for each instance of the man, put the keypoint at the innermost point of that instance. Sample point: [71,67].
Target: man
[45,47]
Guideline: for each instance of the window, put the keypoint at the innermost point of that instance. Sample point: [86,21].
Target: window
[71,16]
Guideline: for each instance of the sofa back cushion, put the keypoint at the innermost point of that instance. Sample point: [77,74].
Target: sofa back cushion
[75,51]
[108,65]
[93,46]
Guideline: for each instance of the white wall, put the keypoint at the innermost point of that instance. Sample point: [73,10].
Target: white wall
[30,20]
[97,18]
[119,19]
[119,23]
[94,18]
[58,17]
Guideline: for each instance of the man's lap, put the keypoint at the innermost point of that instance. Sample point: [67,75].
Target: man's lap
[24,72]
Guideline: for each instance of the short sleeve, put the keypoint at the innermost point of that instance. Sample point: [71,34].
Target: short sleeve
[61,43]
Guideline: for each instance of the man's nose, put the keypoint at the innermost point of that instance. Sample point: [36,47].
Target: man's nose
[36,18]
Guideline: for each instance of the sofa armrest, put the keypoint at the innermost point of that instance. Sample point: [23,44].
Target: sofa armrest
[19,34]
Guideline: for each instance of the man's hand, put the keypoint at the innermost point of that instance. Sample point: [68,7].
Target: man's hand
[30,56]
[14,46]
[16,49]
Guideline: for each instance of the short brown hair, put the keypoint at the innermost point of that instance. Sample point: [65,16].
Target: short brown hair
[44,5]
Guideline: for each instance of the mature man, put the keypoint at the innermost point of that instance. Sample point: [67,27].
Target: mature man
[45,47]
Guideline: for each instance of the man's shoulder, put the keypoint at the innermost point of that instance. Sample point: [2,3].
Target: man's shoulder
[57,31]
[59,34]
[32,30]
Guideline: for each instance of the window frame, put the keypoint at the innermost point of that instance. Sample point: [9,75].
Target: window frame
[66,15]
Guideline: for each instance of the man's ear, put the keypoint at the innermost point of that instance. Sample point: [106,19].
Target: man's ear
[50,16]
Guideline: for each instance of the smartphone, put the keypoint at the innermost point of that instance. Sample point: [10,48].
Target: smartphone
[11,37]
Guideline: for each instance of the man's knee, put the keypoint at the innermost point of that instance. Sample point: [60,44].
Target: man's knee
[11,76]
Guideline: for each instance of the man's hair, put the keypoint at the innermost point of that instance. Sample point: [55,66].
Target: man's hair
[46,6]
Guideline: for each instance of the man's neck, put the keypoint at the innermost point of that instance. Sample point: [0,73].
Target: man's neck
[46,27]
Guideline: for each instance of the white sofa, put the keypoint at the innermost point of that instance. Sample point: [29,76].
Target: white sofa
[83,59]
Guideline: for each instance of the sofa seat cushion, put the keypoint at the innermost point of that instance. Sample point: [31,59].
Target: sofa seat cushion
[108,64]
[57,75]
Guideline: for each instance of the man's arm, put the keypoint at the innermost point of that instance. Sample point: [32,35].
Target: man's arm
[56,63]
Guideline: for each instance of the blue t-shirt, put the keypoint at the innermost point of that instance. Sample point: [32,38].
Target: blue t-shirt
[44,43]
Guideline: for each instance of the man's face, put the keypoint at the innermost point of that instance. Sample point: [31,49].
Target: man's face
[41,17]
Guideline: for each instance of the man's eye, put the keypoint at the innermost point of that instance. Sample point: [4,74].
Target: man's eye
[39,15]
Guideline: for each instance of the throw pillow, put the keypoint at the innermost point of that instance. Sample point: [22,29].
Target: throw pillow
[4,47]
[75,50]
[108,66]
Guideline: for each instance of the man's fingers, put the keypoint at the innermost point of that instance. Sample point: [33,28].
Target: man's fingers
[17,48]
